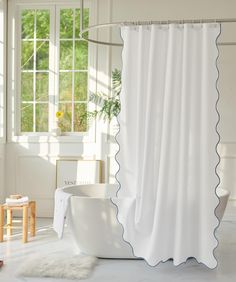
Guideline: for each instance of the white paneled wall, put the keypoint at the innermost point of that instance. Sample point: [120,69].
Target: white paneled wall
[2,96]
[2,172]
[30,166]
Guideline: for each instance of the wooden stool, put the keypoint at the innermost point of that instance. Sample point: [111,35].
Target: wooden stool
[25,208]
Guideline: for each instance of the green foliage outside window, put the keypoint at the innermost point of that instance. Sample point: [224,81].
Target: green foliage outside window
[35,74]
[73,84]
[34,108]
[109,106]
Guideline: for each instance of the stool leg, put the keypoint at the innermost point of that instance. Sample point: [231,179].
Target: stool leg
[9,222]
[32,218]
[25,224]
[1,222]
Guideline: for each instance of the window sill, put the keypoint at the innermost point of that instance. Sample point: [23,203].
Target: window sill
[76,138]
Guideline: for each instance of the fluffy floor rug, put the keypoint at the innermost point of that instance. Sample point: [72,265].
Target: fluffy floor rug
[58,266]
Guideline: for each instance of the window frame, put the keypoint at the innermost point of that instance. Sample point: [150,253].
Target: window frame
[19,71]
[54,7]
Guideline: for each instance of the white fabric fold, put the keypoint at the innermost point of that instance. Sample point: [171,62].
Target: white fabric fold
[17,202]
[168,142]
[61,203]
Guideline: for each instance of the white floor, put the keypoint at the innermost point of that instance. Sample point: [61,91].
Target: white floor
[14,254]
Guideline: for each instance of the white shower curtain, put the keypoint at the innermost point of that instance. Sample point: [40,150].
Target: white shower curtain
[168,138]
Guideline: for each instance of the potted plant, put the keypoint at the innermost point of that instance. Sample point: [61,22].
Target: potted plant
[57,129]
[109,106]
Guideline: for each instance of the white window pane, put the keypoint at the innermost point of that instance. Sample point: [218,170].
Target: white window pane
[80,120]
[27,115]
[42,24]
[27,55]
[66,55]
[65,86]
[65,122]
[42,86]
[85,22]
[42,55]
[27,24]
[27,86]
[34,57]
[41,117]
[81,79]
[81,55]
[66,23]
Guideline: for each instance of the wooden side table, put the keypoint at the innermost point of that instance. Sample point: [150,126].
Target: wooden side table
[25,210]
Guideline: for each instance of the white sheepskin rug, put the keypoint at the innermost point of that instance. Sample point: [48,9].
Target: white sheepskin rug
[58,266]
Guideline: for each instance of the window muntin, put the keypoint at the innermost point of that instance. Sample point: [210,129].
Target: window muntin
[72,71]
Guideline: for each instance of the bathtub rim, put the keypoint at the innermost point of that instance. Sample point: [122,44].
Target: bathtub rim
[220,192]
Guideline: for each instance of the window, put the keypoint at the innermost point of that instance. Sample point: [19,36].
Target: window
[73,71]
[54,70]
[34,70]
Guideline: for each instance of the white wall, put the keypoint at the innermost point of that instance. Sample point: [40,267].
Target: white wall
[31,165]
[2,98]
[2,172]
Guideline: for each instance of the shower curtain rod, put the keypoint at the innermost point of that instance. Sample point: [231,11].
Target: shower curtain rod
[127,23]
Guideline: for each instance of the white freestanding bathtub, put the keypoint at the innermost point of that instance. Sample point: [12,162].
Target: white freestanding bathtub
[93,222]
